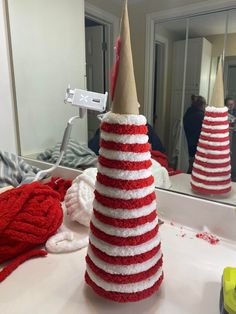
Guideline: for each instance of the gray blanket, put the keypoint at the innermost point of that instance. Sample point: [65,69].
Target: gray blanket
[14,170]
[77,156]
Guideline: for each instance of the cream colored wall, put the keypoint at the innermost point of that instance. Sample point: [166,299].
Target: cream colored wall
[218,45]
[47,57]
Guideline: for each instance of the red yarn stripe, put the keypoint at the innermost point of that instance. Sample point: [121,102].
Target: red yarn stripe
[134,148]
[213,166]
[124,279]
[207,182]
[125,260]
[125,204]
[125,223]
[123,297]
[18,261]
[211,147]
[215,123]
[123,241]
[123,128]
[124,184]
[212,174]
[210,191]
[212,156]
[225,131]
[214,139]
[216,114]
[124,165]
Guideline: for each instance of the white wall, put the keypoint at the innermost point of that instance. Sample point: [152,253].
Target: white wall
[7,123]
[48,44]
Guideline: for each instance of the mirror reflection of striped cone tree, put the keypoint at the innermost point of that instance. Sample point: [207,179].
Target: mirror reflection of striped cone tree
[211,172]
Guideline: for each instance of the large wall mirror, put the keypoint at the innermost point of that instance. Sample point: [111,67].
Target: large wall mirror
[54,43]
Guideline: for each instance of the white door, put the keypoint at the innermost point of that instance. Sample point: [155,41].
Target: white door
[159,99]
[95,69]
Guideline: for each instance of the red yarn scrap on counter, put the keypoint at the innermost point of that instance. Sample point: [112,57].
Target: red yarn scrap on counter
[29,216]
[208,237]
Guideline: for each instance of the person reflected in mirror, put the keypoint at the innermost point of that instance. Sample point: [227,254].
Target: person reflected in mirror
[230,104]
[193,119]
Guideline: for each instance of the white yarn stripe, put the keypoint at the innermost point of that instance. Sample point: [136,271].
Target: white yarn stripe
[216,109]
[113,250]
[214,143]
[124,194]
[125,156]
[200,176]
[124,232]
[124,269]
[125,213]
[215,127]
[125,139]
[125,288]
[213,152]
[211,187]
[212,161]
[115,118]
[212,135]
[124,174]
[211,170]
[217,119]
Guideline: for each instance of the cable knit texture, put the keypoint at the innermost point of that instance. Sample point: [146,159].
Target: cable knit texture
[124,225]
[29,215]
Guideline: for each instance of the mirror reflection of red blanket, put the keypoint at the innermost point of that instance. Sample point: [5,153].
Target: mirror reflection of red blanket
[163,161]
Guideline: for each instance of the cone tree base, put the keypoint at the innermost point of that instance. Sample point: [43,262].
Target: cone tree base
[124,297]
[210,191]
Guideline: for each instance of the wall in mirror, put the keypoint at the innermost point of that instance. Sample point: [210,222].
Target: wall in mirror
[55,44]
[47,40]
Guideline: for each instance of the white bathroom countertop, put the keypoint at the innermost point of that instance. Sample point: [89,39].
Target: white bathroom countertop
[55,284]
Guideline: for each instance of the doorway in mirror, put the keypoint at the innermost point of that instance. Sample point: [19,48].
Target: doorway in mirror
[161,55]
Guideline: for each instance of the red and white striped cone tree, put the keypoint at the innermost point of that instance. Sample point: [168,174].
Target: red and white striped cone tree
[211,172]
[124,260]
